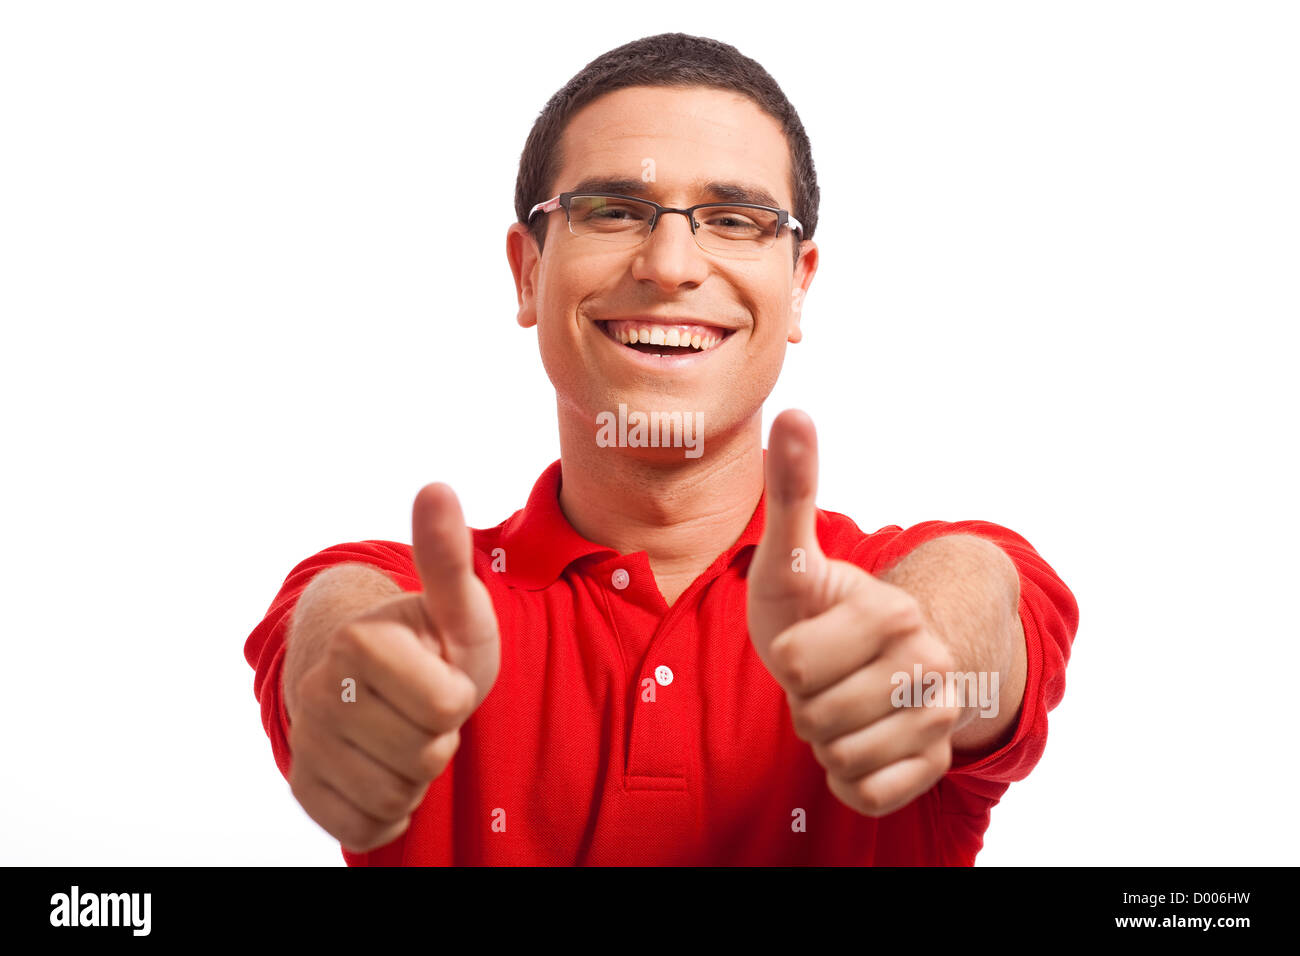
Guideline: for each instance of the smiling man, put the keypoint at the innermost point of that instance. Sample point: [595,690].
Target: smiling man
[670,655]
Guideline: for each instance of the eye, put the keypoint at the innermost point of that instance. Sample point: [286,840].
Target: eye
[730,220]
[617,212]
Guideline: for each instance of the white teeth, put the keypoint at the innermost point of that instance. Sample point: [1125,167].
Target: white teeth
[658,335]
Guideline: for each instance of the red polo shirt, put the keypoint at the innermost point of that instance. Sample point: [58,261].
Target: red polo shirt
[623,731]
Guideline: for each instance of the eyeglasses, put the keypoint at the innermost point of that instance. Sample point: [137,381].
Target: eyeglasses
[735,229]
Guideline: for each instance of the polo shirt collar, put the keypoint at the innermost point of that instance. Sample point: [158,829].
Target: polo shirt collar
[540,543]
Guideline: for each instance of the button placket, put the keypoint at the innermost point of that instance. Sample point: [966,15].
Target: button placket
[662,727]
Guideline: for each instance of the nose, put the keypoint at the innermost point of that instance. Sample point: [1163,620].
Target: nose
[670,256]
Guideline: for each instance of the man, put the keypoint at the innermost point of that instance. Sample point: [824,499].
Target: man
[669,655]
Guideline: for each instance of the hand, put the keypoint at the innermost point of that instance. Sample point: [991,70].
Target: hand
[833,635]
[422,664]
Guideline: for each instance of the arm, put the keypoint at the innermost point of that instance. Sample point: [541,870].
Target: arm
[333,596]
[969,592]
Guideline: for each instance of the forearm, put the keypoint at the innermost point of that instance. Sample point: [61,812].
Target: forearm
[969,593]
[333,596]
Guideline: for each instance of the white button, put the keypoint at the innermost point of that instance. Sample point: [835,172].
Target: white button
[620,579]
[664,675]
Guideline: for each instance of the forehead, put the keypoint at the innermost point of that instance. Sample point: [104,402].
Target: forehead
[689,135]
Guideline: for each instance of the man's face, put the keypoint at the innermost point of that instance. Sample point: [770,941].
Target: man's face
[680,139]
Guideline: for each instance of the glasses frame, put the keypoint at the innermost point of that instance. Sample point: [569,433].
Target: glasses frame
[563,200]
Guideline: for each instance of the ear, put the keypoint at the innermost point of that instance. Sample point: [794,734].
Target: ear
[525,261]
[804,270]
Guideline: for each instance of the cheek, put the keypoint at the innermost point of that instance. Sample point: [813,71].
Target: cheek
[560,357]
[555,315]
[560,337]
[553,337]
[774,319]
[767,346]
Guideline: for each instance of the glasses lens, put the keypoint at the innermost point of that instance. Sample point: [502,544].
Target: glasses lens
[616,220]
[735,230]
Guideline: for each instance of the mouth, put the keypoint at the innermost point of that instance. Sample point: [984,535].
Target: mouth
[664,338]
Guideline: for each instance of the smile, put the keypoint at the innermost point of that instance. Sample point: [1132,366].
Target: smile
[664,339]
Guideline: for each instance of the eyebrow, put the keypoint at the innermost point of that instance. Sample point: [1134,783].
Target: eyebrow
[720,191]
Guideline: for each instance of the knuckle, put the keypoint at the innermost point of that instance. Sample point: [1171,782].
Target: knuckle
[939,716]
[350,642]
[436,713]
[434,756]
[809,724]
[356,833]
[902,614]
[467,700]
[834,756]
[939,657]
[869,797]
[447,707]
[951,715]
[791,663]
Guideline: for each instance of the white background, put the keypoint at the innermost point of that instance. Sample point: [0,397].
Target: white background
[242,321]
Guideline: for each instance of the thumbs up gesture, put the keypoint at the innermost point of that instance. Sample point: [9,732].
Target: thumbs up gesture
[833,636]
[421,664]
[456,603]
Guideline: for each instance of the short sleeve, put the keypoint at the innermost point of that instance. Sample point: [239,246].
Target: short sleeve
[1049,615]
[265,647]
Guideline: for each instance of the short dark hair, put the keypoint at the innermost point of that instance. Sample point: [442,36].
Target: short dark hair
[668,59]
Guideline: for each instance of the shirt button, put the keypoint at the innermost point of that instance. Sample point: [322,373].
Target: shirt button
[620,579]
[664,675]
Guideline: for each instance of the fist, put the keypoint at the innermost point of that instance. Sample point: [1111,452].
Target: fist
[833,636]
[420,665]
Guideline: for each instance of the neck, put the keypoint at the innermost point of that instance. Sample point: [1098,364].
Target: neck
[683,512]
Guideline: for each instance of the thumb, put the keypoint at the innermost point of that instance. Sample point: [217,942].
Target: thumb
[791,481]
[455,599]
